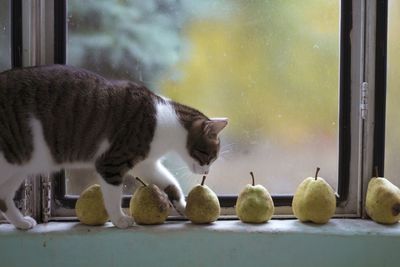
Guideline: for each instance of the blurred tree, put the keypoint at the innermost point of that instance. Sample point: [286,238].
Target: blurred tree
[134,38]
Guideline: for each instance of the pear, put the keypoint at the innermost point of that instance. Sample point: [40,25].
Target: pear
[254,204]
[314,200]
[90,207]
[202,204]
[149,205]
[382,200]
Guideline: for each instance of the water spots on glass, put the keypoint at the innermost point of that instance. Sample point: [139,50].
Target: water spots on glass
[271,67]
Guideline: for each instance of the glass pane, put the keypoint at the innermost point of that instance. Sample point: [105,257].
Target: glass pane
[271,67]
[5,58]
[392,147]
[5,34]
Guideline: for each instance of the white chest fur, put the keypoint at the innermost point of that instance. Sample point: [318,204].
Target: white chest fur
[169,134]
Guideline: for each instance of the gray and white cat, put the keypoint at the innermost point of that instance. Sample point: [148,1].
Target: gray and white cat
[54,117]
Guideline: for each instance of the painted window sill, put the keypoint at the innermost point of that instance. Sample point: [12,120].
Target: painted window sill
[288,226]
[341,242]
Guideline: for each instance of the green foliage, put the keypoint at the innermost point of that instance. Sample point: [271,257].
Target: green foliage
[134,38]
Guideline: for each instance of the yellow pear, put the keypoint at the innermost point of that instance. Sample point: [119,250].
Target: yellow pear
[254,204]
[202,204]
[149,205]
[382,200]
[90,207]
[314,200]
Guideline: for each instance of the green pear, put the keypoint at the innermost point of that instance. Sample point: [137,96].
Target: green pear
[382,200]
[202,204]
[149,205]
[254,204]
[314,200]
[90,207]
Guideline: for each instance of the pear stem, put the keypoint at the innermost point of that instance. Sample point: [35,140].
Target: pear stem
[316,173]
[376,171]
[202,181]
[140,180]
[252,178]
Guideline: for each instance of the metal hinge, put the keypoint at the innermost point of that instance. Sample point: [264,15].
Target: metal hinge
[46,198]
[28,197]
[364,100]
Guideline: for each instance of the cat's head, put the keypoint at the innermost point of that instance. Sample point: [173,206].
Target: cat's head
[203,143]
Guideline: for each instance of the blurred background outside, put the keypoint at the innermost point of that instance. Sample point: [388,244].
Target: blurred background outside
[271,67]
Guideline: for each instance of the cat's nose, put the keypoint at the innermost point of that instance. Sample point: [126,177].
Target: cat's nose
[206,172]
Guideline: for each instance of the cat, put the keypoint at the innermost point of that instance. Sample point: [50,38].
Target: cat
[57,116]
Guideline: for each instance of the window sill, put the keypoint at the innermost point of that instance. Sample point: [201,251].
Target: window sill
[341,242]
[288,226]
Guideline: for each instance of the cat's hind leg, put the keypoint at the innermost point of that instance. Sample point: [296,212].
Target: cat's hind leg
[7,206]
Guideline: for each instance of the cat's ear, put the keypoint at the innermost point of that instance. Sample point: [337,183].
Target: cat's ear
[214,126]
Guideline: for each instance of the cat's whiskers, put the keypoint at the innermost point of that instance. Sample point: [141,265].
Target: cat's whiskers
[225,152]
[187,175]
[178,171]
[226,155]
[228,145]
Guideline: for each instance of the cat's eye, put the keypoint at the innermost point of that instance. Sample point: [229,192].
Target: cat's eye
[204,157]
[202,152]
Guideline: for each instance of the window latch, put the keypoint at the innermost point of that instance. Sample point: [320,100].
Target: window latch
[364,100]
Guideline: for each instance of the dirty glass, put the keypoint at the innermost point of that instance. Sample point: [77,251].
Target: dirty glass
[271,67]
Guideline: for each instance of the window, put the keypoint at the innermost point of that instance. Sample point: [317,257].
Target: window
[286,73]
[392,148]
[5,35]
[275,74]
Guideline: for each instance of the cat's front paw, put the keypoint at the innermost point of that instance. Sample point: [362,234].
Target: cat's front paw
[179,206]
[123,222]
[176,198]
[26,223]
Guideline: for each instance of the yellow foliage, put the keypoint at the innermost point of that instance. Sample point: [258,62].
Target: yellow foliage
[270,74]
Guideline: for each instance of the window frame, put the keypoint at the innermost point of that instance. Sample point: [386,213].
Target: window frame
[381,82]
[64,201]
[362,25]
[16,33]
